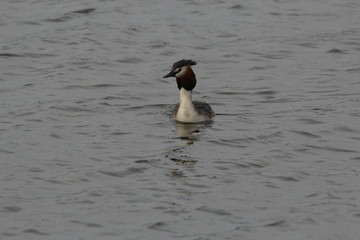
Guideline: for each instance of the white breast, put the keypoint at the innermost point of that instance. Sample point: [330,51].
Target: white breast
[186,111]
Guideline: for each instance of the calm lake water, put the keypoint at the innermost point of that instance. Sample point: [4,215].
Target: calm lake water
[88,151]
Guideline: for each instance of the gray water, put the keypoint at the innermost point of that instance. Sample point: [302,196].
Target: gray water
[88,151]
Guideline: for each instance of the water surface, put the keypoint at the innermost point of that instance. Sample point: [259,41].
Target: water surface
[88,152]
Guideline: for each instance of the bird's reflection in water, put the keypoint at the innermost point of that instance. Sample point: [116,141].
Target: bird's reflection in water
[189,134]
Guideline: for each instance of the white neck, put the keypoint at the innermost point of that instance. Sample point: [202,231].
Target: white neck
[186,111]
[185,97]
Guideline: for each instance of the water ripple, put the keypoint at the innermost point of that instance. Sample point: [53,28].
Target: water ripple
[87,148]
[332,149]
[121,174]
[70,15]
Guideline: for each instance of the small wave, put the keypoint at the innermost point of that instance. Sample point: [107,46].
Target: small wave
[130,60]
[84,11]
[310,121]
[129,171]
[280,223]
[86,224]
[219,212]
[70,15]
[332,149]
[306,134]
[237,6]
[158,226]
[335,50]
[94,86]
[285,178]
[71,109]
[35,232]
[11,209]
[30,55]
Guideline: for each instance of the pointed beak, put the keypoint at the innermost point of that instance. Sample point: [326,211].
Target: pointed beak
[170,74]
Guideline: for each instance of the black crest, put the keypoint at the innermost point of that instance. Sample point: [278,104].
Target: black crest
[183,62]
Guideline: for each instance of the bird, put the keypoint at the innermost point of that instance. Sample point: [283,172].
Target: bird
[188,111]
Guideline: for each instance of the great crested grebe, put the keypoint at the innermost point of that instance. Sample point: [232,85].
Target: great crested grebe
[188,111]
